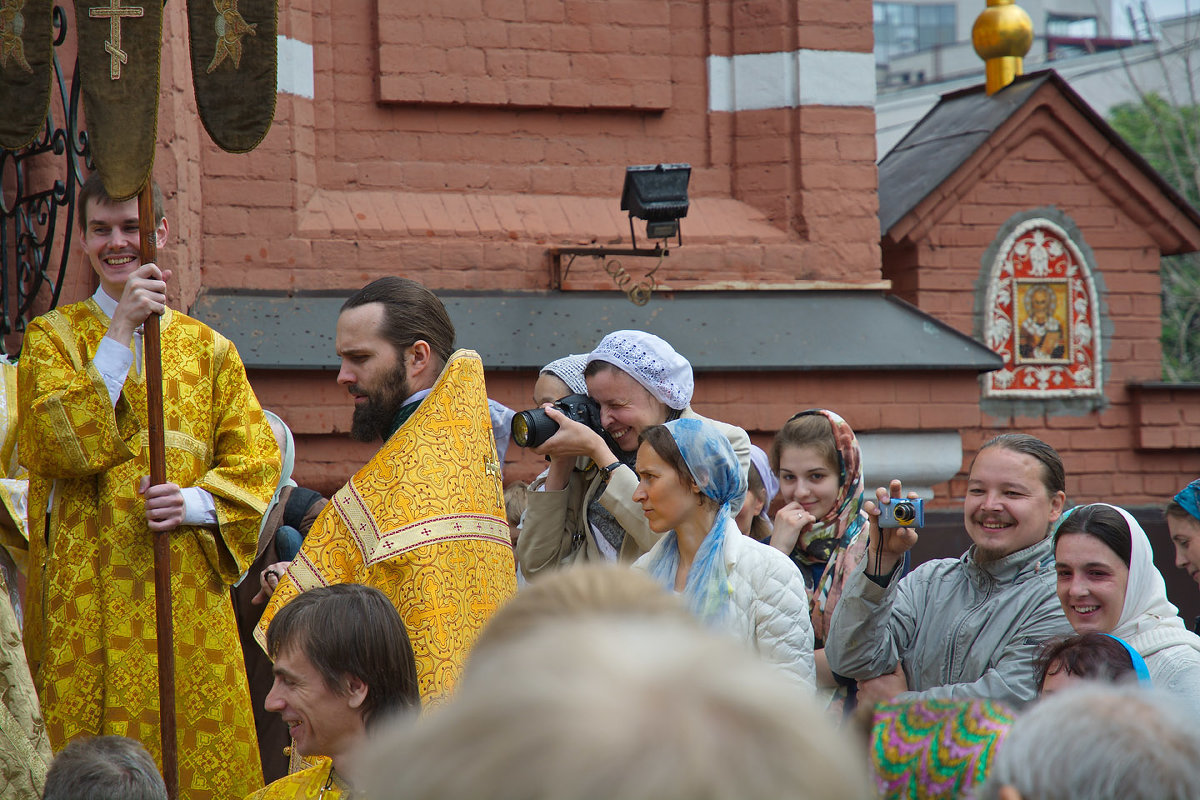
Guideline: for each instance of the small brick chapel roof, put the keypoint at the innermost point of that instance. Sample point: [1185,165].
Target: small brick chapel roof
[946,147]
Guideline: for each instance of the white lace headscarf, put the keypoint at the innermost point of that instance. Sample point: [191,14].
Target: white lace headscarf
[569,370]
[651,362]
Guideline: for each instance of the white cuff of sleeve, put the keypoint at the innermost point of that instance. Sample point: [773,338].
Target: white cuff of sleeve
[113,361]
[199,508]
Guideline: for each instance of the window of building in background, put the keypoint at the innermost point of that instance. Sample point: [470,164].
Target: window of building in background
[902,28]
[1072,26]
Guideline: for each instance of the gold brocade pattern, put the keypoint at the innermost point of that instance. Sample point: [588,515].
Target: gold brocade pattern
[24,747]
[90,623]
[423,522]
[310,784]
[14,480]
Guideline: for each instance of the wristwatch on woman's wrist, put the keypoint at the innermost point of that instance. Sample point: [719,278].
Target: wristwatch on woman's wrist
[608,471]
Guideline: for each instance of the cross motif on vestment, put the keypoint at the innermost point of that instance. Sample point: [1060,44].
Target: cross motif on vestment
[115,11]
[493,468]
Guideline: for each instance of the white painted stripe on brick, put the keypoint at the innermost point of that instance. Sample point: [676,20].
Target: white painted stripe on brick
[295,67]
[836,78]
[720,83]
[786,80]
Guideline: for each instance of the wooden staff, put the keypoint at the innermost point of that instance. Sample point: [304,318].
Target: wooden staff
[152,349]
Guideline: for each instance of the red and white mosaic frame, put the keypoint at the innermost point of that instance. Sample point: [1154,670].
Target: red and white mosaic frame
[1039,257]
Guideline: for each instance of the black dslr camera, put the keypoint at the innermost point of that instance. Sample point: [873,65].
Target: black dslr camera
[533,427]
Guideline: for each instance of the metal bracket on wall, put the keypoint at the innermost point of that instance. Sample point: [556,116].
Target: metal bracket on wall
[639,293]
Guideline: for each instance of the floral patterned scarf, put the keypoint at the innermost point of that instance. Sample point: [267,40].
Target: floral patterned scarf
[835,540]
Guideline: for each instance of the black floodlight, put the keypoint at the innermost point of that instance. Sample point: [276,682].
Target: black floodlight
[656,193]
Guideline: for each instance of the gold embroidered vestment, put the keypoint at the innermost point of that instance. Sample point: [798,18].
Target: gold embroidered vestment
[90,624]
[423,522]
[313,783]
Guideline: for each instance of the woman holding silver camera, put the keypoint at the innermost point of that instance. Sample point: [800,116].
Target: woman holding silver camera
[688,476]
[582,508]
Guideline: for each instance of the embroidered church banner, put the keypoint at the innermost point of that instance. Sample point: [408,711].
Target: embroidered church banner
[120,43]
[233,49]
[26,67]
[1042,316]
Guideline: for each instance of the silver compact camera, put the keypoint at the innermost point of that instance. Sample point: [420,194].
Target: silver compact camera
[902,512]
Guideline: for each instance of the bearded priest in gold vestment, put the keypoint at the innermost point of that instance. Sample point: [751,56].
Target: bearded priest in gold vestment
[424,520]
[90,623]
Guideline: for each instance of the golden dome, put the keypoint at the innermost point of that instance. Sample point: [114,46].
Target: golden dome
[1002,35]
[1003,30]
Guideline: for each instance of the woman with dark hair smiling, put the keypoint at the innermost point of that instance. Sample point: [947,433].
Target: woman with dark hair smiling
[688,475]
[1107,583]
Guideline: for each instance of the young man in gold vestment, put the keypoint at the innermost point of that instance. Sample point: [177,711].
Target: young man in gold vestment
[424,520]
[90,623]
[343,664]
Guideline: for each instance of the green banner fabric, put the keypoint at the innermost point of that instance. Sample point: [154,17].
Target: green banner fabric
[233,48]
[120,43]
[26,69]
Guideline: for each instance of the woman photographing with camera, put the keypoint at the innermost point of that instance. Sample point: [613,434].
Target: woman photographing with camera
[688,476]
[582,507]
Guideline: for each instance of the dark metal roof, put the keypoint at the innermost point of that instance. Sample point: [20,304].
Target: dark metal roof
[960,123]
[941,142]
[745,330]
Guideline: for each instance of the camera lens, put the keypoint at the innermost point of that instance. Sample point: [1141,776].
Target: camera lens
[532,428]
[904,512]
[520,429]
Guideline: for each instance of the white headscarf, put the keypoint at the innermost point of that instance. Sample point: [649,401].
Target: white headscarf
[287,457]
[569,370]
[651,362]
[1149,621]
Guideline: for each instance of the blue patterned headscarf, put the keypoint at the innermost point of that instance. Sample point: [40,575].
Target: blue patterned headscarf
[1189,499]
[714,467]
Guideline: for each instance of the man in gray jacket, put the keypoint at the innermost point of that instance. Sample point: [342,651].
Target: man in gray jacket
[967,627]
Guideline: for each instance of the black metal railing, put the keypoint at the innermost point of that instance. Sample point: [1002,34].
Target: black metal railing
[38,189]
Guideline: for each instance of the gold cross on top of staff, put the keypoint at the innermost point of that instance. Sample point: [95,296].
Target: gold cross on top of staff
[115,11]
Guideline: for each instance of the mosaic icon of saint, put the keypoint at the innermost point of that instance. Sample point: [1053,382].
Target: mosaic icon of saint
[1041,331]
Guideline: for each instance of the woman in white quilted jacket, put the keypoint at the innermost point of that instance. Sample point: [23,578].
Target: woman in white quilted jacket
[688,474]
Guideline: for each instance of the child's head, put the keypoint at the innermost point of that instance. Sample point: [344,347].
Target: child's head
[1087,656]
[805,456]
[514,506]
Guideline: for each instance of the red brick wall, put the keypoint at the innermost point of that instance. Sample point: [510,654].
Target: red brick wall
[445,159]
[436,150]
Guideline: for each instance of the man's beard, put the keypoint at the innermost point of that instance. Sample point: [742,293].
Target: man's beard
[373,418]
